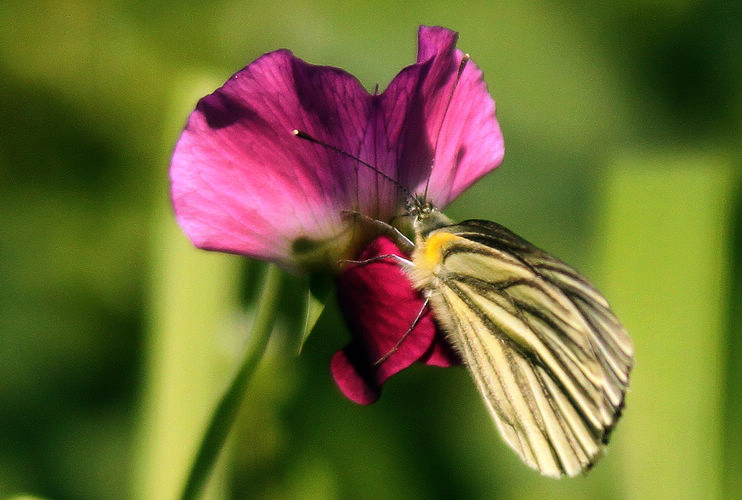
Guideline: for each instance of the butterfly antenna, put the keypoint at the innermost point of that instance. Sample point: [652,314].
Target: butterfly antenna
[464,61]
[303,135]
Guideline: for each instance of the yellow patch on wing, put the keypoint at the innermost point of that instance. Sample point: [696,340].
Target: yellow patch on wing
[432,255]
[428,257]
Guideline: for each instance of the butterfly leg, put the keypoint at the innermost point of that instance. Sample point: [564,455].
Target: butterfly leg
[402,241]
[405,264]
[396,346]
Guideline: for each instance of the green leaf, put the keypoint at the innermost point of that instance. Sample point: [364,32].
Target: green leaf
[24,497]
[666,260]
[320,286]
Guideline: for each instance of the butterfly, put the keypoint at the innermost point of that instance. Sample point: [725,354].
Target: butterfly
[546,352]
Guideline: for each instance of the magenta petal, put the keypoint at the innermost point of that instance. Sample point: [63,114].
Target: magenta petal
[379,305]
[448,124]
[243,183]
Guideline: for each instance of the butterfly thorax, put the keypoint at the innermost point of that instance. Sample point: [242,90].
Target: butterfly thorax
[429,242]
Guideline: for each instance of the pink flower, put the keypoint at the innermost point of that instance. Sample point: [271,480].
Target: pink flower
[242,182]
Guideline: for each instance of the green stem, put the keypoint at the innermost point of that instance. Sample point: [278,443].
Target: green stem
[226,411]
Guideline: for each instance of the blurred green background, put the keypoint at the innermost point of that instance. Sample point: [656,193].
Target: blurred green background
[622,123]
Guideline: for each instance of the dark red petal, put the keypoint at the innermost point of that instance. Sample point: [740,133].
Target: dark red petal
[356,383]
[379,305]
[441,353]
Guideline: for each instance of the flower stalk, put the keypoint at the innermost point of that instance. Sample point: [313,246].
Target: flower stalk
[227,409]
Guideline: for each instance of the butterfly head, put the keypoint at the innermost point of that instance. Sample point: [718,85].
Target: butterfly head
[425,217]
[418,207]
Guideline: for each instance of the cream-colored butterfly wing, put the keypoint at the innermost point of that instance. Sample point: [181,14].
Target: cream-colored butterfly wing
[547,354]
